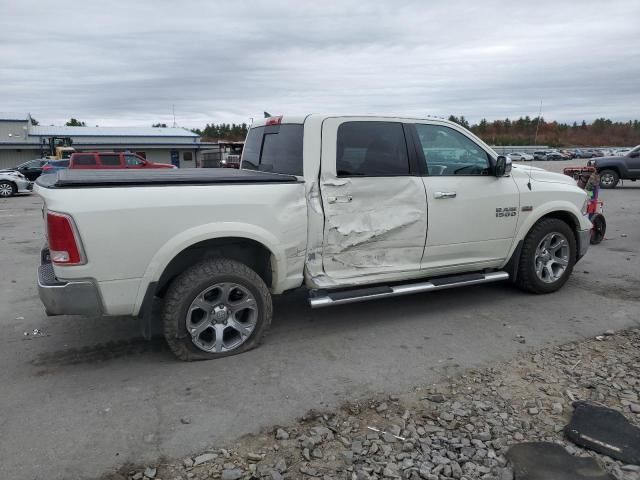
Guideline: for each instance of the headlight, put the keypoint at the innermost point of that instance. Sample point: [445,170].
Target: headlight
[585,205]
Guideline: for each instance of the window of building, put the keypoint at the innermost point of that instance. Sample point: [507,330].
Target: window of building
[371,149]
[449,152]
[187,156]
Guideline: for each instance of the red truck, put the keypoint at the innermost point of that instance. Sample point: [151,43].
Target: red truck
[111,160]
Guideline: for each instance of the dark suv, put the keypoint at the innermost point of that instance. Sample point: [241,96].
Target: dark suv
[616,168]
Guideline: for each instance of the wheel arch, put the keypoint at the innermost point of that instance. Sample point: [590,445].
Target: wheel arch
[245,250]
[252,245]
[567,215]
[615,168]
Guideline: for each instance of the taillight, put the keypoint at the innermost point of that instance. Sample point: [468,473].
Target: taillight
[274,120]
[64,244]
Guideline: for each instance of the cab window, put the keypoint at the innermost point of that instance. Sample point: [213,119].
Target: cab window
[448,152]
[110,159]
[84,159]
[371,149]
[133,161]
[274,148]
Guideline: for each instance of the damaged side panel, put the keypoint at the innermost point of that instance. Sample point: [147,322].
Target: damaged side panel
[381,228]
[371,226]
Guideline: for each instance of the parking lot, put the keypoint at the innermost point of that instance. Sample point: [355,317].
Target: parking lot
[81,396]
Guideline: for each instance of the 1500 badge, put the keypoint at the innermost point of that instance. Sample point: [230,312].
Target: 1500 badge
[506,212]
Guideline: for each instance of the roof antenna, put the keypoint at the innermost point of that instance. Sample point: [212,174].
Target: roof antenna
[535,142]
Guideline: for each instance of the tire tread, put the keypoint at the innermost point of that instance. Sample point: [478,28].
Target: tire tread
[180,288]
[526,279]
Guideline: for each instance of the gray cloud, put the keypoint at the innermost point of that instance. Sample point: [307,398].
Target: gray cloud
[127,63]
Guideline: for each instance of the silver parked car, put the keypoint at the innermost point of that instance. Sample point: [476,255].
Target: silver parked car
[12,182]
[520,157]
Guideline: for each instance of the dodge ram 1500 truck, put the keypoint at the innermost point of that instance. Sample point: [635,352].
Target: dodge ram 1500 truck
[350,207]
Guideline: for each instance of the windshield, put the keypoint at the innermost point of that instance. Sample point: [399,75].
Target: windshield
[635,149]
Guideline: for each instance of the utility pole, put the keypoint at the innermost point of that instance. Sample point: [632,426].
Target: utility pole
[535,140]
[173,109]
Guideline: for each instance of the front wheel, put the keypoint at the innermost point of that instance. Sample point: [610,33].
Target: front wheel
[7,189]
[547,257]
[609,178]
[217,308]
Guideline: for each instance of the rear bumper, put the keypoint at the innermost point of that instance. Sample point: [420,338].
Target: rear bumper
[77,297]
[584,240]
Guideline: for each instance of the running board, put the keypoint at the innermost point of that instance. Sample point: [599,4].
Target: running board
[319,299]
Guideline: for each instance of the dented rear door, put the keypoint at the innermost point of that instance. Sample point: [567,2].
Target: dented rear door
[374,201]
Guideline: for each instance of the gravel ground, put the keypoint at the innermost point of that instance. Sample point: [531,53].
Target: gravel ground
[459,429]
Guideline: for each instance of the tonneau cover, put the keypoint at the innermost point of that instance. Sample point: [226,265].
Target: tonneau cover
[156,177]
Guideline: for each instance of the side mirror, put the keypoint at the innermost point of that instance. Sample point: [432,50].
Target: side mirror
[502,166]
[634,154]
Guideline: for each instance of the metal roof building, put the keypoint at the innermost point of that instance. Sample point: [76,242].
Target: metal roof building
[21,141]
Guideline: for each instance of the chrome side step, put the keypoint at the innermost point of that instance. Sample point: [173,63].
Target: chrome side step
[319,299]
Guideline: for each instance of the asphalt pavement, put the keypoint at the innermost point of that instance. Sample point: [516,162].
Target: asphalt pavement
[84,395]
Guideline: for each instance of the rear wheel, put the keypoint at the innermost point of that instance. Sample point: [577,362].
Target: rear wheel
[609,178]
[217,308]
[7,189]
[547,257]
[599,229]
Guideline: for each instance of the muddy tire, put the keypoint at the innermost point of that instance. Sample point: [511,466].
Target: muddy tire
[216,308]
[547,257]
[609,179]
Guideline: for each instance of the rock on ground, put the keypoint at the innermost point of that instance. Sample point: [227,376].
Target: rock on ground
[459,430]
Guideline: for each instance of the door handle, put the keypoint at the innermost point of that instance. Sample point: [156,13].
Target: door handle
[444,194]
[344,199]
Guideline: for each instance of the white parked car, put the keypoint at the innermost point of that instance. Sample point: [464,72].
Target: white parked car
[350,208]
[12,182]
[520,157]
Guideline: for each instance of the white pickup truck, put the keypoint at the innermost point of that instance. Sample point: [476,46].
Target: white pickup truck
[350,207]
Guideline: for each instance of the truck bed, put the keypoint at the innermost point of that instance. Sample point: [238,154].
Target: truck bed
[158,177]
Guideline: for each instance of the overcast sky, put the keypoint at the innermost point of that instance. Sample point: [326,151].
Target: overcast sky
[127,62]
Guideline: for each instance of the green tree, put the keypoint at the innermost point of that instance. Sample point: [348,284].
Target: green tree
[159,125]
[75,123]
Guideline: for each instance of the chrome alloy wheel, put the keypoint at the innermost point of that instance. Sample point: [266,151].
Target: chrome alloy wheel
[6,190]
[552,257]
[222,317]
[607,179]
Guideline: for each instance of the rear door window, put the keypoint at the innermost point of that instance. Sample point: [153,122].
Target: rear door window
[110,159]
[274,148]
[371,149]
[84,159]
